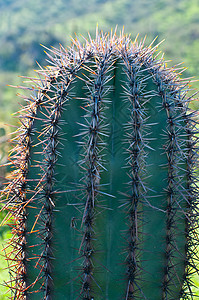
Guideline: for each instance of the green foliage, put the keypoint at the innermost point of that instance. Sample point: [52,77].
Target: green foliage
[4,273]
[24,25]
[103,194]
[24,20]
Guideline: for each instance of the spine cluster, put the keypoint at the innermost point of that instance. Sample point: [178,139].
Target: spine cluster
[44,193]
[135,152]
[46,215]
[181,151]
[17,203]
[173,152]
[93,165]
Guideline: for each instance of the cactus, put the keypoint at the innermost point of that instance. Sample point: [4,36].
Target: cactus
[103,194]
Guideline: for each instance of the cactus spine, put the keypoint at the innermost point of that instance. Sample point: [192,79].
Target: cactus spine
[103,195]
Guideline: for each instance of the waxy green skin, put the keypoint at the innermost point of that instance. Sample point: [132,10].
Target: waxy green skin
[135,163]
[109,224]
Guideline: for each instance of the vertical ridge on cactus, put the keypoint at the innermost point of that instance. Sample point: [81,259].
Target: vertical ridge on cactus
[103,195]
[136,154]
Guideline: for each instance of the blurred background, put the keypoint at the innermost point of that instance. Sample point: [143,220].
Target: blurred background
[25,24]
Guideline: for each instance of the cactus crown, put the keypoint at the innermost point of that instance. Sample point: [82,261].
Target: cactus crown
[103,195]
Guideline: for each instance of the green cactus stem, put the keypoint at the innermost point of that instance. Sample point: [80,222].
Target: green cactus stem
[103,194]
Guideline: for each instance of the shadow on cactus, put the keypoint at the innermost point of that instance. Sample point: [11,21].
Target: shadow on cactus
[103,193]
